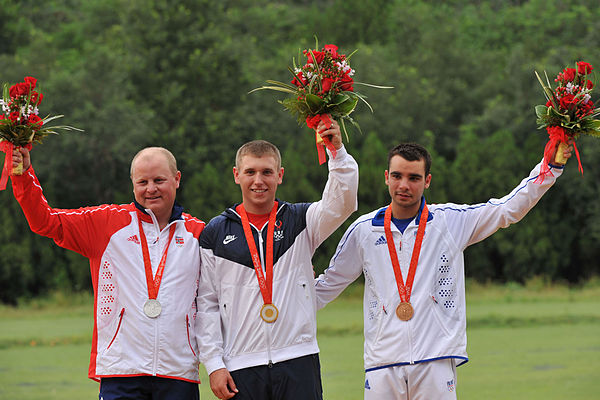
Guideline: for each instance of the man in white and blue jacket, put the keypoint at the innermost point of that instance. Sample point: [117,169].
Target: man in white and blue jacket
[249,354]
[414,355]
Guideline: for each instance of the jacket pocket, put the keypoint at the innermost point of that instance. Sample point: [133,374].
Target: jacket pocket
[439,318]
[305,298]
[118,328]
[304,326]
[187,327]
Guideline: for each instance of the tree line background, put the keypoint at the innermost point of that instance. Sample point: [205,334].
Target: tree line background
[135,73]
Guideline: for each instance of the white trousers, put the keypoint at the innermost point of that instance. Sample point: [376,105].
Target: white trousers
[423,381]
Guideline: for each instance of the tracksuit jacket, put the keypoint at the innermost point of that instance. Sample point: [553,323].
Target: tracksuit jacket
[231,333]
[438,328]
[125,341]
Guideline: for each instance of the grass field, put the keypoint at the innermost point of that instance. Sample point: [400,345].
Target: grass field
[532,342]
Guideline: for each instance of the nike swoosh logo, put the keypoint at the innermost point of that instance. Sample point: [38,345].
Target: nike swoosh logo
[229,239]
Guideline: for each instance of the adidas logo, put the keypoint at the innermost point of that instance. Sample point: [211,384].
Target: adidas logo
[381,240]
[134,239]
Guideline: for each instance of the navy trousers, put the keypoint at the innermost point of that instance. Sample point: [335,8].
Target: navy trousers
[295,379]
[147,388]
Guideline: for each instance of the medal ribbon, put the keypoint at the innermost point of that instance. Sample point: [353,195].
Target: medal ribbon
[265,284]
[154,283]
[405,290]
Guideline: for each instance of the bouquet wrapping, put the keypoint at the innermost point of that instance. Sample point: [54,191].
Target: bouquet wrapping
[568,113]
[20,123]
[321,87]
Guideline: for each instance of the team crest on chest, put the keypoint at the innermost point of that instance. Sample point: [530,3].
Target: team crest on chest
[278,233]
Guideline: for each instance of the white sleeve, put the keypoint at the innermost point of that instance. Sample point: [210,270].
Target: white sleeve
[345,266]
[470,224]
[208,323]
[339,198]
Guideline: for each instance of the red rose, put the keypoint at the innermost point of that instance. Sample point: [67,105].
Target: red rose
[549,103]
[568,75]
[584,68]
[318,56]
[567,101]
[589,85]
[30,81]
[18,89]
[35,120]
[332,49]
[36,98]
[326,83]
[347,83]
[14,116]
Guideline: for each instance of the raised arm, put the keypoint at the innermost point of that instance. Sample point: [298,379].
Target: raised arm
[339,198]
[473,223]
[82,230]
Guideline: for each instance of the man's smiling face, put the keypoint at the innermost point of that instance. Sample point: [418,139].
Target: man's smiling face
[258,178]
[155,184]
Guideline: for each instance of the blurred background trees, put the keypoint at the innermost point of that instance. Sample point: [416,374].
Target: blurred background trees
[134,73]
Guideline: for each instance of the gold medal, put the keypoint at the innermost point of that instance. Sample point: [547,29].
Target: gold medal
[269,313]
[152,308]
[405,311]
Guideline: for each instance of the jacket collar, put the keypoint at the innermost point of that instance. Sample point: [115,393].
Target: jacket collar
[231,213]
[379,217]
[176,213]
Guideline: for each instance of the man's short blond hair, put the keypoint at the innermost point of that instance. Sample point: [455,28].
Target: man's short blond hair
[151,152]
[258,148]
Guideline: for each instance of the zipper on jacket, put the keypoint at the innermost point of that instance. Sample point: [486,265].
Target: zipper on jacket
[118,327]
[409,322]
[187,326]
[267,330]
[155,361]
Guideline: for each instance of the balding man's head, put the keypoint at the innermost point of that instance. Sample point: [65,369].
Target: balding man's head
[151,152]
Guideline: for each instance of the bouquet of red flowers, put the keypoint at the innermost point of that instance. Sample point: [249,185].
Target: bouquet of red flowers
[323,85]
[20,123]
[568,112]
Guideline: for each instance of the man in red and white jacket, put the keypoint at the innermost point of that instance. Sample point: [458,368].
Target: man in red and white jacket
[144,261]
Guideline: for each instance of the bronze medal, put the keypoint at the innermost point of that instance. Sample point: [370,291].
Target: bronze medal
[405,311]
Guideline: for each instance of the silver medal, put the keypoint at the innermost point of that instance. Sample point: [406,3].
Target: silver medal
[152,308]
